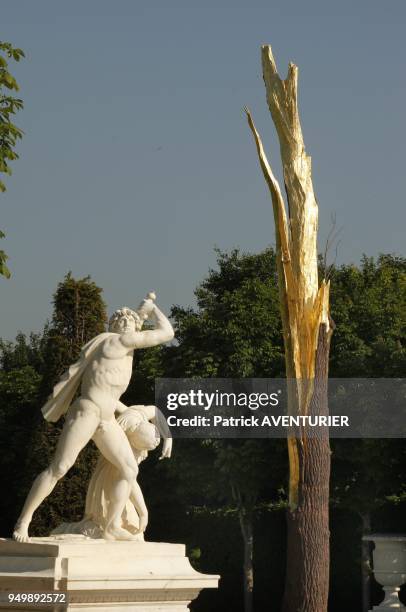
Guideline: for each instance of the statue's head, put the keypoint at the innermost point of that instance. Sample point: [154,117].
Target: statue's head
[125,320]
[142,435]
[145,437]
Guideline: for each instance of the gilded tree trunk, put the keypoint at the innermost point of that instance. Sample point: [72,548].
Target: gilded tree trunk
[307,331]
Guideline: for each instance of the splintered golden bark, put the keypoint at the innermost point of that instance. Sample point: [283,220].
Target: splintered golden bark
[304,304]
[282,235]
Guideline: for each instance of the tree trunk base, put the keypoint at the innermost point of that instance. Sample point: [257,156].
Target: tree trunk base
[308,547]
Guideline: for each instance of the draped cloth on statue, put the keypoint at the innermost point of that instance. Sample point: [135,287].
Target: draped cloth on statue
[64,391]
[99,493]
[97,501]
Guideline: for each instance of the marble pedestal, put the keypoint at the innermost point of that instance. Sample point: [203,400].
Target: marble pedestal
[100,575]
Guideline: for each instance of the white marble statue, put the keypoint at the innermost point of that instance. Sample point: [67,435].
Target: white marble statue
[144,426]
[102,373]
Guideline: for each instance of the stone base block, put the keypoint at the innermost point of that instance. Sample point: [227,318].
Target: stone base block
[99,575]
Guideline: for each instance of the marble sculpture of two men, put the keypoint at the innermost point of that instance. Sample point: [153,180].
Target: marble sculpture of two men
[101,375]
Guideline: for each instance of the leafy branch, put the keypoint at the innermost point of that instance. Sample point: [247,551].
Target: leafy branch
[9,132]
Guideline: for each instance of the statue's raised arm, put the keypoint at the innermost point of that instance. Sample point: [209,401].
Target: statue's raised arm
[128,323]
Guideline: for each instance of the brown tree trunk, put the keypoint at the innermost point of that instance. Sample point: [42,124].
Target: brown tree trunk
[248,538]
[307,569]
[245,517]
[366,563]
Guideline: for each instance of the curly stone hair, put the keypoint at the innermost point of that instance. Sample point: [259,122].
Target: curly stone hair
[122,312]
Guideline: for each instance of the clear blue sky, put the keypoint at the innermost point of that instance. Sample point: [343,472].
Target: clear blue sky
[137,159]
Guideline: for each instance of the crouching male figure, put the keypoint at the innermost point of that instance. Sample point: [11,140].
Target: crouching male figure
[103,373]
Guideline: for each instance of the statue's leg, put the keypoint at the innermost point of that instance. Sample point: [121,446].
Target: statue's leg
[114,445]
[80,425]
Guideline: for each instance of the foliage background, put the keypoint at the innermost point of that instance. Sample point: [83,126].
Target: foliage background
[234,331]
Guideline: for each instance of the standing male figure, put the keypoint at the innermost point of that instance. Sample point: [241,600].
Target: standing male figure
[103,373]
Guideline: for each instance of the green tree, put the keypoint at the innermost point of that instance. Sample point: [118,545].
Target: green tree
[79,315]
[23,352]
[20,383]
[251,474]
[369,305]
[9,132]
[236,329]
[235,332]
